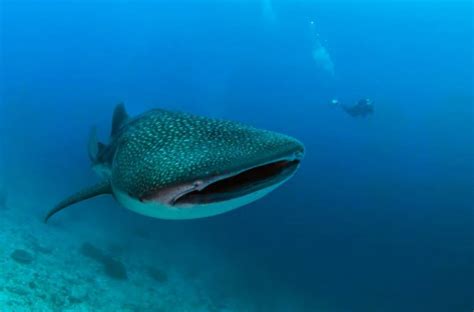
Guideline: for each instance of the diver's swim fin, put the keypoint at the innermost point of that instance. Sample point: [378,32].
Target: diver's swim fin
[92,191]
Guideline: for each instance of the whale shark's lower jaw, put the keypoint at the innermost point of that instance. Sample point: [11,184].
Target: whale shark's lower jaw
[220,195]
[191,211]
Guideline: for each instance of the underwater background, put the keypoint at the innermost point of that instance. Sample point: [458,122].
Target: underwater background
[379,216]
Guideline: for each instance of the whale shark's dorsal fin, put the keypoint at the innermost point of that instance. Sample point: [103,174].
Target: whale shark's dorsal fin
[120,117]
[92,191]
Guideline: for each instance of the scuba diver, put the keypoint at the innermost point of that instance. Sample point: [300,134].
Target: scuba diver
[363,108]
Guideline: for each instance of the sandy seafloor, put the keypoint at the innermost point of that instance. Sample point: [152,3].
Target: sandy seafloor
[197,277]
[60,278]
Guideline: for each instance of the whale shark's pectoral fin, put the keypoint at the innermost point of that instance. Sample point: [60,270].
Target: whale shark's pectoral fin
[92,191]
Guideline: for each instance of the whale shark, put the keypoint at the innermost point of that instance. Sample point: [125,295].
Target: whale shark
[175,165]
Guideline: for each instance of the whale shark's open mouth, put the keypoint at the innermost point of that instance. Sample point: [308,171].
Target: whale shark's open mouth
[240,184]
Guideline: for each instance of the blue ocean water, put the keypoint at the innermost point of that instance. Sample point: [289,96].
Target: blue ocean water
[379,216]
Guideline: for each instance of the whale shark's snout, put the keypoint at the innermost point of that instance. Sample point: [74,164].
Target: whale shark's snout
[179,166]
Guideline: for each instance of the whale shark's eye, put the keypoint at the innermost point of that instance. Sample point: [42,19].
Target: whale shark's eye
[197,184]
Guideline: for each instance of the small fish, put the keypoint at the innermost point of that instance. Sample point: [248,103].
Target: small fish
[173,165]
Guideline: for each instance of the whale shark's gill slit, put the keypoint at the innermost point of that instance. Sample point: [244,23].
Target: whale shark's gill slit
[241,184]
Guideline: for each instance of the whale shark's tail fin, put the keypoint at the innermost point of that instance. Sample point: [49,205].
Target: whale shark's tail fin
[92,191]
